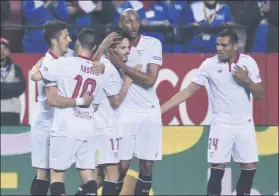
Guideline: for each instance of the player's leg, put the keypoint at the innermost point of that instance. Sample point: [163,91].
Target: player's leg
[107,159]
[40,161]
[128,125]
[148,149]
[60,159]
[220,143]
[246,153]
[85,163]
[112,175]
[124,166]
[99,176]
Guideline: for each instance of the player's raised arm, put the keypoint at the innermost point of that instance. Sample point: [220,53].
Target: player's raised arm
[112,38]
[149,78]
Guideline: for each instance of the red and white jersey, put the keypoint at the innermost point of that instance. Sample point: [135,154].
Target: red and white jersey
[105,116]
[45,113]
[148,50]
[230,101]
[74,77]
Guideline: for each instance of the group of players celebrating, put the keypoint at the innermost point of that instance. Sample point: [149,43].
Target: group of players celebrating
[99,111]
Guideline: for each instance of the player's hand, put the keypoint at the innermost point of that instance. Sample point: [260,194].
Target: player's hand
[242,74]
[87,99]
[112,38]
[98,67]
[36,66]
[115,59]
[128,80]
[138,67]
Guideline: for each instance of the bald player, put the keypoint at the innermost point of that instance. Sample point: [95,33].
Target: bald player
[139,115]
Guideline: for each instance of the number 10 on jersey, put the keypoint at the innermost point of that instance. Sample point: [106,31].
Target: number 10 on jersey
[88,84]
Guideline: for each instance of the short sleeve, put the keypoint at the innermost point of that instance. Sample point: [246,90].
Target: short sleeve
[99,94]
[113,81]
[156,53]
[201,76]
[254,72]
[59,69]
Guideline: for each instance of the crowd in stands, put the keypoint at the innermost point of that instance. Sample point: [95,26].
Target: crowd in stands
[259,16]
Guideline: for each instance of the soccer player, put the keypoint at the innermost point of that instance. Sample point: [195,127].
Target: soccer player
[107,137]
[57,36]
[139,116]
[231,78]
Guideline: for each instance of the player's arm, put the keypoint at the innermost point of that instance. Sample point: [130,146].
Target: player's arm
[251,79]
[198,81]
[116,100]
[149,78]
[55,100]
[180,97]
[97,67]
[112,38]
[256,89]
[34,73]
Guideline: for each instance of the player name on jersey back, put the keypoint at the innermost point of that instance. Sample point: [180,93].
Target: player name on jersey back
[44,113]
[73,77]
[139,98]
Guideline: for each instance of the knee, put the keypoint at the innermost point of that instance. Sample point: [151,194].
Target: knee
[248,165]
[218,165]
[43,174]
[124,167]
[146,167]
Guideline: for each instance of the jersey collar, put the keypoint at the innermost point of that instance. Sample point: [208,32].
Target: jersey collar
[53,55]
[84,57]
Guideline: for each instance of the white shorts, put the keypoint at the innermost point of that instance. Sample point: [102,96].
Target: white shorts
[141,135]
[226,141]
[40,148]
[65,151]
[107,147]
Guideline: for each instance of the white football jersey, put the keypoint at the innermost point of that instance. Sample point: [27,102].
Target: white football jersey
[230,101]
[45,113]
[106,116]
[74,77]
[148,50]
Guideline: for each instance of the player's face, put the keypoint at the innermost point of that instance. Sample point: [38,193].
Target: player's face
[5,52]
[225,49]
[64,41]
[123,49]
[130,25]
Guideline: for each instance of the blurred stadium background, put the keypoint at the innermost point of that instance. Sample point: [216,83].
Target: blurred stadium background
[188,31]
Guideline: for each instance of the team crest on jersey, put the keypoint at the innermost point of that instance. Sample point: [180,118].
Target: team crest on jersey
[115,154]
[140,52]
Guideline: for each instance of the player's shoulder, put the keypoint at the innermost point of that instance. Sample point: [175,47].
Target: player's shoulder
[148,40]
[247,60]
[246,57]
[70,53]
[210,61]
